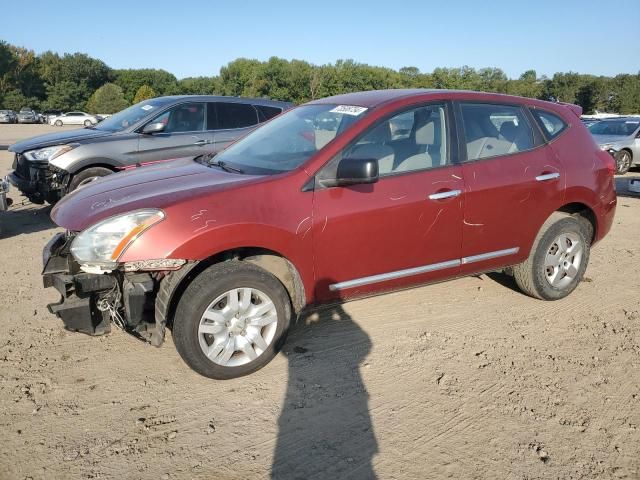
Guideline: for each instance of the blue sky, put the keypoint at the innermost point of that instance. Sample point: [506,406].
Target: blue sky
[192,38]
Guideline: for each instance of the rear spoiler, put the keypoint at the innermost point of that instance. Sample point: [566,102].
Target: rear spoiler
[576,109]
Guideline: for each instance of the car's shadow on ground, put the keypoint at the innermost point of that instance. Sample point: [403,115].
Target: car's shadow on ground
[25,218]
[324,428]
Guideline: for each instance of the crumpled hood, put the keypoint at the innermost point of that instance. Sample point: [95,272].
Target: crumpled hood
[57,138]
[155,186]
[613,139]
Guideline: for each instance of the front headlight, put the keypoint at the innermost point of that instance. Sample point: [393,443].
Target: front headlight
[103,243]
[47,153]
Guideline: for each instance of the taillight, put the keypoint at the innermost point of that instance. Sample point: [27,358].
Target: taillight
[609,161]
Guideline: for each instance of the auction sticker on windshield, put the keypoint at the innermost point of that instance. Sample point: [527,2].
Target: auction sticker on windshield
[349,110]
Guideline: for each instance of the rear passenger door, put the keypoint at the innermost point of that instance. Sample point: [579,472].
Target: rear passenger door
[231,121]
[513,181]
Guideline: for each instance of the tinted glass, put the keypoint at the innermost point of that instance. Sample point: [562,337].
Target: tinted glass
[615,127]
[211,116]
[186,117]
[235,115]
[132,115]
[550,123]
[494,130]
[291,139]
[409,141]
[265,113]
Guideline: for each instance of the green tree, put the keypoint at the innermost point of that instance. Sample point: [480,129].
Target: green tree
[161,81]
[145,92]
[198,86]
[65,95]
[109,98]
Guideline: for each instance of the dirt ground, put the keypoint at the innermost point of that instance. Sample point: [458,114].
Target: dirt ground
[465,379]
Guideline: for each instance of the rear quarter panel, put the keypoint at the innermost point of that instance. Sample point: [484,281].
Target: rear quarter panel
[588,180]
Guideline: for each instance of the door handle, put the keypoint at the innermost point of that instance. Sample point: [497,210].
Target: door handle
[446,194]
[547,176]
[202,142]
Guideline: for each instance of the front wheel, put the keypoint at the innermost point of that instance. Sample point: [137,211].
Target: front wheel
[231,320]
[558,258]
[58,123]
[87,176]
[87,123]
[623,162]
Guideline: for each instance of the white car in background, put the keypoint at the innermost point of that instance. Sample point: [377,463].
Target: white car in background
[74,118]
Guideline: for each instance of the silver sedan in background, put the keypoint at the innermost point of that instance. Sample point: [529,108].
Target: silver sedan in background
[621,137]
[8,116]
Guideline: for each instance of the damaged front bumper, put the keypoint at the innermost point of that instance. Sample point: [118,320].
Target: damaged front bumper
[90,302]
[38,181]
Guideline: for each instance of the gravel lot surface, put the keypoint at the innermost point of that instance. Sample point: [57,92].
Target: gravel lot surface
[465,379]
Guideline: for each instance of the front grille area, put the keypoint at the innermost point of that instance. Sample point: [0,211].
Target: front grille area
[21,166]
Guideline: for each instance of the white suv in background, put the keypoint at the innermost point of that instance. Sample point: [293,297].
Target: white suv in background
[74,118]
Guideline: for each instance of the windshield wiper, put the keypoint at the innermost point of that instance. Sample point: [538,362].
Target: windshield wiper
[224,166]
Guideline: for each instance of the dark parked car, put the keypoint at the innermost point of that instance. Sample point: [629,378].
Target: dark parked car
[27,115]
[48,166]
[228,251]
[8,116]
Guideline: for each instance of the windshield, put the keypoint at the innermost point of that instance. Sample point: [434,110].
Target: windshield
[617,127]
[291,139]
[132,115]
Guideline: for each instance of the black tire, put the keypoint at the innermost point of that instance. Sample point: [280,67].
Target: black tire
[87,123]
[205,288]
[58,123]
[623,162]
[87,176]
[531,275]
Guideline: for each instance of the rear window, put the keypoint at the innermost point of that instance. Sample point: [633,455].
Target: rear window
[494,130]
[235,115]
[551,124]
[266,113]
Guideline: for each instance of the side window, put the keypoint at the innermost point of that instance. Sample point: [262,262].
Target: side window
[551,124]
[412,140]
[494,130]
[186,117]
[235,115]
[266,113]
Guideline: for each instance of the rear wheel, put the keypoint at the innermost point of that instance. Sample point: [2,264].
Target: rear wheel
[558,258]
[623,162]
[58,123]
[231,320]
[87,176]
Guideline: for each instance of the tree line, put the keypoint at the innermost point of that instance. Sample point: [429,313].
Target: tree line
[79,82]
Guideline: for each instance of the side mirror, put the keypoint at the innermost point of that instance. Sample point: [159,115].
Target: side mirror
[151,128]
[354,171]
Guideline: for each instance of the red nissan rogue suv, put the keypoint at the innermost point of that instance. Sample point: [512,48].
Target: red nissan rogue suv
[343,197]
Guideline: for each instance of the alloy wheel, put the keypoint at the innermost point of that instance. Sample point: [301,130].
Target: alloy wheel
[623,161]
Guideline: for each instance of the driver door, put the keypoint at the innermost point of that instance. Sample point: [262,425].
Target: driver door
[406,228]
[184,135]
